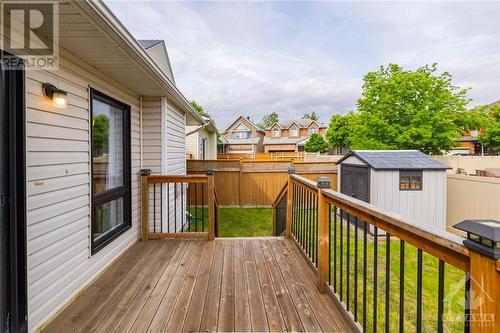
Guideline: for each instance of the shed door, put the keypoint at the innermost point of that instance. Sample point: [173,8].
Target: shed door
[354,182]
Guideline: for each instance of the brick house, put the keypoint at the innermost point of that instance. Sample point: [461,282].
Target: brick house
[242,136]
[291,135]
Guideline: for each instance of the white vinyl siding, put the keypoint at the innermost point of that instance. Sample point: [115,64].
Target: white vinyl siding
[151,134]
[58,190]
[192,143]
[176,165]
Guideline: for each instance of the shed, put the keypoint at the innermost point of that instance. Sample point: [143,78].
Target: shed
[405,182]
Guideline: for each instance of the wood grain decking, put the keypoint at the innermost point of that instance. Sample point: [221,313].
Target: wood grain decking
[193,285]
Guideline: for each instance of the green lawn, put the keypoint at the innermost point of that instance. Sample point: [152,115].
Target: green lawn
[454,289]
[236,222]
[246,222]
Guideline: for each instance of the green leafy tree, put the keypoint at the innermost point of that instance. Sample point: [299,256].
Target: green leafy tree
[316,144]
[198,108]
[403,109]
[313,116]
[268,120]
[490,133]
[100,135]
[339,130]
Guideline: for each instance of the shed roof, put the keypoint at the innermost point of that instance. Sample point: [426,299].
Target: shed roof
[397,159]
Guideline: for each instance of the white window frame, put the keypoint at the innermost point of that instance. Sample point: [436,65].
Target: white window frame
[294,130]
[276,133]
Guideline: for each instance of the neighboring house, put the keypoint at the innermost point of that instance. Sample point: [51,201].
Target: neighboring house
[72,205]
[201,141]
[242,136]
[291,135]
[406,182]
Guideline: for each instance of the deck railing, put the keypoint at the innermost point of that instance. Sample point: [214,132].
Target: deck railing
[387,273]
[178,206]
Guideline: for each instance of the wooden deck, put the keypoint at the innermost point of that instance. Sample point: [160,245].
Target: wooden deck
[193,285]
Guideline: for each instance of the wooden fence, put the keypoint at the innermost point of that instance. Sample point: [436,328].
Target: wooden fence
[257,183]
[470,163]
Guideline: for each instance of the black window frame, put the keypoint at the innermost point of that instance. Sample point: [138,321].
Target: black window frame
[412,174]
[123,191]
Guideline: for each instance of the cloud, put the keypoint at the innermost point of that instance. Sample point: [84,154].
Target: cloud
[253,58]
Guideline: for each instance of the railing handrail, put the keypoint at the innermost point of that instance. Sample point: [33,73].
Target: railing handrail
[280,195]
[194,178]
[310,184]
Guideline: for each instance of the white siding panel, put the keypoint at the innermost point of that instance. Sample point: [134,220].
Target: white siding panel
[58,189]
[151,119]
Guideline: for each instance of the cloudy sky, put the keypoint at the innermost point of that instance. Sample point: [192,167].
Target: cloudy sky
[252,58]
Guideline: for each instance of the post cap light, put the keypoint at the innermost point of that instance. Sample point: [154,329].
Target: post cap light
[210,172]
[291,171]
[58,96]
[483,236]
[145,172]
[323,182]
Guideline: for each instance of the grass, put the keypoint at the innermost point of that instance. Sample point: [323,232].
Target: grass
[236,222]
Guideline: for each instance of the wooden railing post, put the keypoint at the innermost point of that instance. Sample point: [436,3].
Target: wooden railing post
[211,204]
[483,240]
[289,204]
[323,235]
[144,203]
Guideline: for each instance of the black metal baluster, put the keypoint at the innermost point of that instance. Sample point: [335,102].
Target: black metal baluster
[401,285]
[348,259]
[365,277]
[161,207]
[335,248]
[375,264]
[330,244]
[175,208]
[341,217]
[196,204]
[168,207]
[203,202]
[316,229]
[308,224]
[154,207]
[467,303]
[387,279]
[440,296]
[419,291]
[301,211]
[355,268]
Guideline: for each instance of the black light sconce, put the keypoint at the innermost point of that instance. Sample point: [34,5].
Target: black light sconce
[483,236]
[58,96]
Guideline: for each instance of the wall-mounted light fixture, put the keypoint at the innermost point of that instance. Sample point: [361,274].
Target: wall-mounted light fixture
[58,96]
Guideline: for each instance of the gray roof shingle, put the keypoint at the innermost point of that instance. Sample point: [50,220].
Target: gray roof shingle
[283,140]
[148,43]
[397,159]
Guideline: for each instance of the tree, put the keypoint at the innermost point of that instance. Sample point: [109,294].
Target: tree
[490,133]
[403,109]
[100,135]
[268,120]
[311,116]
[198,108]
[316,144]
[339,130]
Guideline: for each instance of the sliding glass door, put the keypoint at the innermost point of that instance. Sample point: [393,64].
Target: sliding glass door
[110,169]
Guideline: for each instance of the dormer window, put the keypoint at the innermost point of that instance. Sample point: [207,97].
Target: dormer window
[314,130]
[294,132]
[241,135]
[276,133]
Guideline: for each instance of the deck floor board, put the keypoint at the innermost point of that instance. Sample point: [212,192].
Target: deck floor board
[194,285]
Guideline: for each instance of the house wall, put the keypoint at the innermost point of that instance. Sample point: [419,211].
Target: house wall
[192,143]
[151,120]
[426,207]
[59,260]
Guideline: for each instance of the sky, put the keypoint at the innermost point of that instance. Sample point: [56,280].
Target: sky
[252,58]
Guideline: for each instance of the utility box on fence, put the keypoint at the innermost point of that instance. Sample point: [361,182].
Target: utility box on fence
[405,182]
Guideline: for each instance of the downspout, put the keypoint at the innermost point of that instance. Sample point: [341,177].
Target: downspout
[140,135]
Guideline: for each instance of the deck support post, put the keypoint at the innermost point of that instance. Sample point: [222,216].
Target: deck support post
[323,235]
[289,204]
[483,240]
[144,203]
[211,204]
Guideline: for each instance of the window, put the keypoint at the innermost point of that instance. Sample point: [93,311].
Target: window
[410,180]
[293,132]
[241,135]
[276,132]
[314,130]
[110,169]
